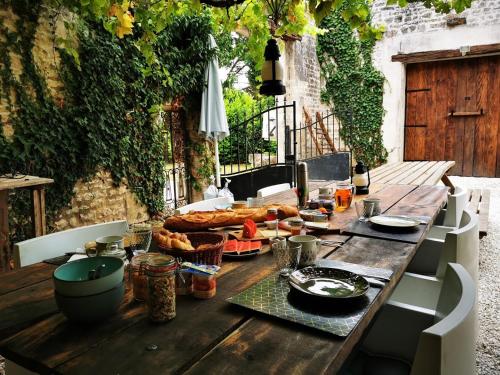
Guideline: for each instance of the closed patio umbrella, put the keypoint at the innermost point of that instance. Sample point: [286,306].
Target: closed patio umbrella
[213,121]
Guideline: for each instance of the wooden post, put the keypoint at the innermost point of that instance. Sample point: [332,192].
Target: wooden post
[4,231]
[38,211]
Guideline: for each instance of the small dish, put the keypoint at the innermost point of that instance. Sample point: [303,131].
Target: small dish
[271,224]
[330,283]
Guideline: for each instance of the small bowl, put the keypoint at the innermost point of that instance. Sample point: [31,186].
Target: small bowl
[239,204]
[102,243]
[71,279]
[91,308]
[271,224]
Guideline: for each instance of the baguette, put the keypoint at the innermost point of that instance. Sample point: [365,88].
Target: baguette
[195,220]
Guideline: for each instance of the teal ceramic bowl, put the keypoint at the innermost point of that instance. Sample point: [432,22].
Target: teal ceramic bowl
[71,279]
[92,308]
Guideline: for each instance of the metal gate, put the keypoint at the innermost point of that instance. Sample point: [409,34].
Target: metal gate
[175,192]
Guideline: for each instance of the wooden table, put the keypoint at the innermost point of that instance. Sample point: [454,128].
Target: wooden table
[37,188]
[413,173]
[207,335]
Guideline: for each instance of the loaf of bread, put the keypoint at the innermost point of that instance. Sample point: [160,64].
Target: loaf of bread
[194,221]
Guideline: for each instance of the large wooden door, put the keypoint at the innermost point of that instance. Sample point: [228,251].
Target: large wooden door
[453,113]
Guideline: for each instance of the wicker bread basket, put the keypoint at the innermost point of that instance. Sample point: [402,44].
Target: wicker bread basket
[209,255]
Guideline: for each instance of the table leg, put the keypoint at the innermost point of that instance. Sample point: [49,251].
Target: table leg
[448,183]
[38,211]
[4,231]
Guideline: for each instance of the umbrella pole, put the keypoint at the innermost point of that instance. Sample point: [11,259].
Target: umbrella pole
[217,163]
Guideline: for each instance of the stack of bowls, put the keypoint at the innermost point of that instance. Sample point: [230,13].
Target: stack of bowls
[88,300]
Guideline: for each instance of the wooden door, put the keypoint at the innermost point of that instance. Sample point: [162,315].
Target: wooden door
[453,113]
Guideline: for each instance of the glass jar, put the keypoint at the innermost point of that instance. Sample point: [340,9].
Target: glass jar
[296,226]
[138,276]
[183,283]
[204,286]
[160,271]
[272,214]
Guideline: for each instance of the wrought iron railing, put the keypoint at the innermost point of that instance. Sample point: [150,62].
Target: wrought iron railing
[175,193]
[319,135]
[259,140]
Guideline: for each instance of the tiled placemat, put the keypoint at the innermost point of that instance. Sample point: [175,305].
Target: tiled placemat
[58,261]
[411,235]
[273,296]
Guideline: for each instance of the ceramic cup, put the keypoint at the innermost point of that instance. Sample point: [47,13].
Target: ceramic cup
[310,248]
[276,239]
[104,243]
[376,205]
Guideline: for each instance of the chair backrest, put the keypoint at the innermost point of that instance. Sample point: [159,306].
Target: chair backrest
[455,207]
[206,205]
[264,192]
[448,347]
[462,246]
[55,244]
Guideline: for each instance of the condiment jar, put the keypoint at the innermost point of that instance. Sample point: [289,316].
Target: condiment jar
[138,275]
[296,226]
[183,283]
[160,270]
[272,214]
[204,285]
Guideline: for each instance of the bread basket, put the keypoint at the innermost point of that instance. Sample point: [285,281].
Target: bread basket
[209,255]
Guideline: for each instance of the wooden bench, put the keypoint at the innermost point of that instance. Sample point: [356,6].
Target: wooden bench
[479,202]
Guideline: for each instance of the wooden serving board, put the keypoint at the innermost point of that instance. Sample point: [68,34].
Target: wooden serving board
[261,235]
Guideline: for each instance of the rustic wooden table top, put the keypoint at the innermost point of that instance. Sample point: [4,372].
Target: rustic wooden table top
[411,172]
[206,335]
[20,181]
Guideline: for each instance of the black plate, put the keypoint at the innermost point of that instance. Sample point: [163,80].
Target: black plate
[328,283]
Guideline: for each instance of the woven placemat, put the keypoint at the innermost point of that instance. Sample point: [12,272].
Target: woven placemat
[272,296]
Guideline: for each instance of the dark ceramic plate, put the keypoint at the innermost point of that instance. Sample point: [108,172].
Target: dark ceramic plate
[328,282]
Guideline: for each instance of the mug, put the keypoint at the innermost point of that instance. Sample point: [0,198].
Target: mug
[343,195]
[376,205]
[310,248]
[104,243]
[325,191]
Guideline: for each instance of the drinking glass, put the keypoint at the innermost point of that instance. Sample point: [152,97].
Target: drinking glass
[286,257]
[343,195]
[364,210]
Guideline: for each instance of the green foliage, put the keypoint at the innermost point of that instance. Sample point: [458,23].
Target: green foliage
[246,136]
[108,118]
[353,87]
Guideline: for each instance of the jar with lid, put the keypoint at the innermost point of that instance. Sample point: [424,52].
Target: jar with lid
[138,275]
[272,214]
[204,285]
[160,271]
[296,225]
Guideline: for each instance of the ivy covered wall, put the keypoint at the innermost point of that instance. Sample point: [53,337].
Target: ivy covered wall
[353,87]
[102,116]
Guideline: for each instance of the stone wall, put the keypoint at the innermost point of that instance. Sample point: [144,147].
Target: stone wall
[97,200]
[416,29]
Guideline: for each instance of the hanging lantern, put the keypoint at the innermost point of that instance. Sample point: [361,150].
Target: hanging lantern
[272,71]
[361,178]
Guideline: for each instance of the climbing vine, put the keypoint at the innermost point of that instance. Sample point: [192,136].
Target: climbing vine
[353,87]
[107,118]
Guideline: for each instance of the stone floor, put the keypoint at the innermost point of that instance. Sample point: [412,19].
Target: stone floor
[488,346]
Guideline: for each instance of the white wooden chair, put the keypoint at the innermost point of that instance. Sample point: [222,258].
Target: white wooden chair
[273,189]
[450,218]
[55,244]
[206,205]
[409,339]
[459,246]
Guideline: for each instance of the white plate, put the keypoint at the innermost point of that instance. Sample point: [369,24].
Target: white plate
[395,221]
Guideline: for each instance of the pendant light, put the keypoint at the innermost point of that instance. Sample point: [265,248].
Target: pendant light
[272,71]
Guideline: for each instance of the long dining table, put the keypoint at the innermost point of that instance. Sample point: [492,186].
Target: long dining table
[206,336]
